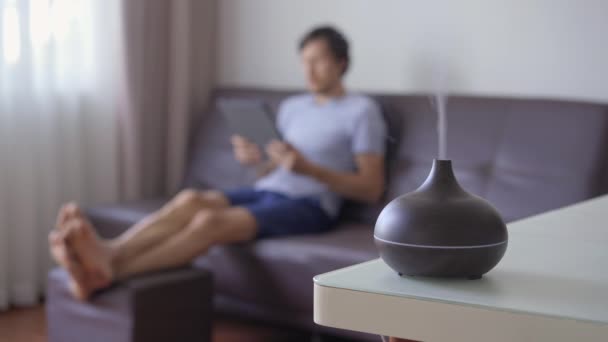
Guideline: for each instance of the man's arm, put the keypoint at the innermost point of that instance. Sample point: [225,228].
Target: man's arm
[365,184]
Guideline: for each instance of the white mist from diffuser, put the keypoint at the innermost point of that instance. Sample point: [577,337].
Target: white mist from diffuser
[440,99]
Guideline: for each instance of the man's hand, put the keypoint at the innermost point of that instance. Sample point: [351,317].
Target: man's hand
[366,184]
[287,157]
[246,152]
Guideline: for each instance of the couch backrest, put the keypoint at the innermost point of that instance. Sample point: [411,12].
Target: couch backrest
[524,156]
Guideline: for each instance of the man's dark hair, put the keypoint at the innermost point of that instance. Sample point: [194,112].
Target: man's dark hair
[335,40]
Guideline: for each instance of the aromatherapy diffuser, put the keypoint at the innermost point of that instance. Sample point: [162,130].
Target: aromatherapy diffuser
[440,230]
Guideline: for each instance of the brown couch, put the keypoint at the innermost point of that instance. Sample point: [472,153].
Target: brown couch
[525,156]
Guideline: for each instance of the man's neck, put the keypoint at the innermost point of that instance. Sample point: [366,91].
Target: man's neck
[334,92]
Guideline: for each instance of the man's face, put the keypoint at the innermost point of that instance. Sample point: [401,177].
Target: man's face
[322,70]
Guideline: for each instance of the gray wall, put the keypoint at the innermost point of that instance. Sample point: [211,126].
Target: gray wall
[538,48]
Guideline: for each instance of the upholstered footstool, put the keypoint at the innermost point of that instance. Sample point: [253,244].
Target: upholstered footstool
[167,306]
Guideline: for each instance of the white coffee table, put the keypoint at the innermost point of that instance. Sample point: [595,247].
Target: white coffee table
[552,285]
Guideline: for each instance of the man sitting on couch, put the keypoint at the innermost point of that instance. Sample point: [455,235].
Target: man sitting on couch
[333,148]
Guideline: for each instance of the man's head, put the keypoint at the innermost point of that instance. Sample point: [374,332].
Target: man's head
[324,54]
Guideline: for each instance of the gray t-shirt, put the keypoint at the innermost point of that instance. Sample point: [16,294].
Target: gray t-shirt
[329,134]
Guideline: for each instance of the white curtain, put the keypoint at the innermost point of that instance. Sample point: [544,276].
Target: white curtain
[60,97]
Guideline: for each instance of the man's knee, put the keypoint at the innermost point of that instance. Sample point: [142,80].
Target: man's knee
[223,225]
[186,197]
[209,198]
[205,221]
[215,199]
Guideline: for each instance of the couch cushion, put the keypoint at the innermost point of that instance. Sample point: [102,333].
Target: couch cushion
[549,156]
[277,273]
[524,156]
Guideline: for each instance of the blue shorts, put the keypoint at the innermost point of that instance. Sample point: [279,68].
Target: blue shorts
[279,215]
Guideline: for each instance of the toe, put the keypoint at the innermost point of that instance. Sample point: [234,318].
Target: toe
[53,237]
[61,218]
[57,237]
[67,212]
[73,210]
[58,248]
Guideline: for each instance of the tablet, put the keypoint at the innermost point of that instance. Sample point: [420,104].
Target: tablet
[251,119]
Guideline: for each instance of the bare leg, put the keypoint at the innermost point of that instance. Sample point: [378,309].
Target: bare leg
[88,259]
[166,222]
[97,255]
[207,228]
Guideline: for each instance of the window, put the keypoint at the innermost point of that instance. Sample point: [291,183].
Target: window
[50,22]
[11,35]
[53,45]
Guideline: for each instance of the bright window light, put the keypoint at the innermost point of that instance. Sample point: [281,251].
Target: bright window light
[11,36]
[40,28]
[54,20]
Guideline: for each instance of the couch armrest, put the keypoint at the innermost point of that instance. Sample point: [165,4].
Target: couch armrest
[173,305]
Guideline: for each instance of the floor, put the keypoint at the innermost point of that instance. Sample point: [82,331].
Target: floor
[29,325]
[23,325]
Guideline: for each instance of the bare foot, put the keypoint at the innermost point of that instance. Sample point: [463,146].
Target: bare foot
[67,260]
[67,248]
[58,235]
[62,254]
[94,255]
